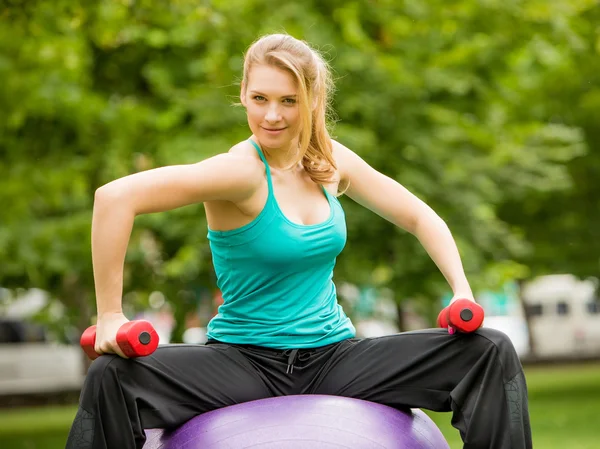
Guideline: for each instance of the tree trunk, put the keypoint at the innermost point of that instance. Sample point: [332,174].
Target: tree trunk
[75,295]
[400,317]
[527,315]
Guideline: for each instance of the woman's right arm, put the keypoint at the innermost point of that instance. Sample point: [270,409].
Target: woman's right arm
[226,177]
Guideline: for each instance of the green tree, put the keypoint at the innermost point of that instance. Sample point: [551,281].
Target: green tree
[449,99]
[562,226]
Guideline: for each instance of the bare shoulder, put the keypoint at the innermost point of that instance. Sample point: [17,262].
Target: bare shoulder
[245,149]
[339,150]
[343,157]
[245,162]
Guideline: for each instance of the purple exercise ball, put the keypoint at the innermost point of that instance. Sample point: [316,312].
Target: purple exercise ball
[303,422]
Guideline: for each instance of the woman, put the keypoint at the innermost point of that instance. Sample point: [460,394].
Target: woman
[275,230]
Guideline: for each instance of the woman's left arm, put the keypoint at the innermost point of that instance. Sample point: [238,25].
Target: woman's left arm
[390,200]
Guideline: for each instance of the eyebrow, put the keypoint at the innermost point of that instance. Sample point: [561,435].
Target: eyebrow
[265,95]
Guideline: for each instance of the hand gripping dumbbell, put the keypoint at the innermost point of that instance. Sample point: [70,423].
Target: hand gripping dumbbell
[135,338]
[463,315]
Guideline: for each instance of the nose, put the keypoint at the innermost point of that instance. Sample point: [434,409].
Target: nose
[273,115]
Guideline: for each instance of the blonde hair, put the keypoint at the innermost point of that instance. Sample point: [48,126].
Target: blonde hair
[313,78]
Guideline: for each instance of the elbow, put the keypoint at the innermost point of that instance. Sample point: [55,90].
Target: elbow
[109,195]
[411,225]
[105,194]
[427,222]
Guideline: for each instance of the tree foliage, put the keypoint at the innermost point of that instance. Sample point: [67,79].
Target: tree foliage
[484,109]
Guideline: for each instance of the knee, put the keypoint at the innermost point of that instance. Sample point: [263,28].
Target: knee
[498,338]
[505,350]
[102,366]
[102,373]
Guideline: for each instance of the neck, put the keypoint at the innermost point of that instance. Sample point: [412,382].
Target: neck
[282,158]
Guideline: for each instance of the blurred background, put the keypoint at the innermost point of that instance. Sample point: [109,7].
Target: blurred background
[486,109]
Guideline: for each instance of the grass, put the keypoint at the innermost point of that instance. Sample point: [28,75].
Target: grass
[35,428]
[564,402]
[564,406]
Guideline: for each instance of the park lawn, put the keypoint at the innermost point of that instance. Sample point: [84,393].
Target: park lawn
[564,402]
[564,406]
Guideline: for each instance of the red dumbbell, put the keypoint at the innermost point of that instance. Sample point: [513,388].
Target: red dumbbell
[135,338]
[463,315]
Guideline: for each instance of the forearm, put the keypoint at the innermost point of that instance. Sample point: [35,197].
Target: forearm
[436,238]
[111,229]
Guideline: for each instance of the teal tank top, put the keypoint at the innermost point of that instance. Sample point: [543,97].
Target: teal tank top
[276,279]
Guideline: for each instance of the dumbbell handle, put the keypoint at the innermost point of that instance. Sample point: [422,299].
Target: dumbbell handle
[135,338]
[463,315]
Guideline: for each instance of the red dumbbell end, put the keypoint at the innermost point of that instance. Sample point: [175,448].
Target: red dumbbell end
[137,338]
[465,315]
[87,342]
[442,319]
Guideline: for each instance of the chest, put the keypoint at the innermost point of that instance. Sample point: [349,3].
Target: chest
[300,199]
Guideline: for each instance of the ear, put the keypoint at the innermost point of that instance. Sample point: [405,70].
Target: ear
[243,93]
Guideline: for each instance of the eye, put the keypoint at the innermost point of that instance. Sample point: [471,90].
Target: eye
[289,101]
[259,98]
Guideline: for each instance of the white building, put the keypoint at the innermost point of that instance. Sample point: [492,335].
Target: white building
[565,316]
[28,362]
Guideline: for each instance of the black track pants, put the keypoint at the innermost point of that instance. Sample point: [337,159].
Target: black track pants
[478,377]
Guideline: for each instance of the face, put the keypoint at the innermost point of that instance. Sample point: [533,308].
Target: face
[271,101]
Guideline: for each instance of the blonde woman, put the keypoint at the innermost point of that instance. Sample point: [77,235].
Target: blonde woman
[275,230]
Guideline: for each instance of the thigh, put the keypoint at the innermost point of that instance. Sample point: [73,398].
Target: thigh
[410,369]
[178,382]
